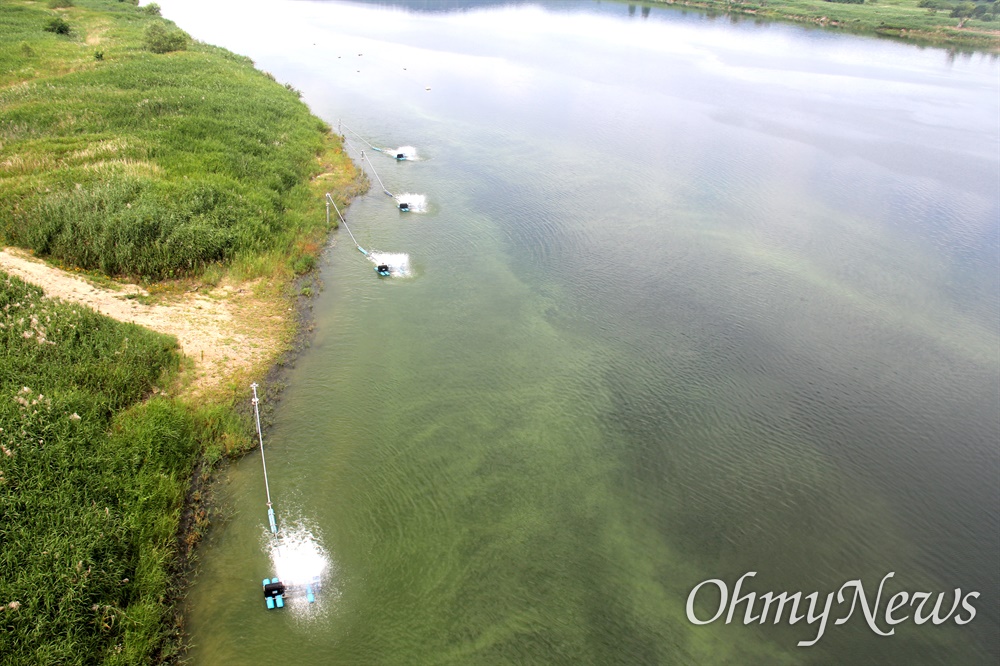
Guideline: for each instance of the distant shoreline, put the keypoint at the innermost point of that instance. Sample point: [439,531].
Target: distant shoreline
[900,19]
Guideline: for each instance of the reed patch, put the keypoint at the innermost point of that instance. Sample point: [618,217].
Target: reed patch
[153,165]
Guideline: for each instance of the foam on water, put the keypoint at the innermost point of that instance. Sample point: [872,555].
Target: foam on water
[398,262]
[418,202]
[298,560]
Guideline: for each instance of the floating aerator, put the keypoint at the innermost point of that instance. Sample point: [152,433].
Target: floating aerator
[382,269]
[400,156]
[274,590]
[404,206]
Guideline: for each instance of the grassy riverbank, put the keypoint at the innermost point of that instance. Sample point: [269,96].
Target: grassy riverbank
[93,471]
[971,25]
[150,165]
[129,151]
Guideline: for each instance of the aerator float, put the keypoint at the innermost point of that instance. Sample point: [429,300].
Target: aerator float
[274,591]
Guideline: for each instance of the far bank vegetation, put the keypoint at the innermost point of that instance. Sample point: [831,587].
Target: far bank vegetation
[962,23]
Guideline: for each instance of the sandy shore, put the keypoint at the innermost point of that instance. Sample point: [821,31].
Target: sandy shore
[227,332]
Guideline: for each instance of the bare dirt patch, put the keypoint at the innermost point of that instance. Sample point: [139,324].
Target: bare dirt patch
[230,333]
[94,38]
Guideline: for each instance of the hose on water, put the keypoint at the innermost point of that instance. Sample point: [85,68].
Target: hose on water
[376,175]
[381,150]
[344,222]
[267,488]
[372,166]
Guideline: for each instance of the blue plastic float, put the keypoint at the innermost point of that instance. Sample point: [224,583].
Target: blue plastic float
[274,591]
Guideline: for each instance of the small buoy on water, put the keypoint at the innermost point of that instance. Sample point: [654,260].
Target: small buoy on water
[427,88]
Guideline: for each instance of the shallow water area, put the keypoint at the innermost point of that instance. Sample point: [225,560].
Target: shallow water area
[695,298]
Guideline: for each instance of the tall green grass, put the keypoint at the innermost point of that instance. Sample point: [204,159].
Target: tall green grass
[93,472]
[119,160]
[143,164]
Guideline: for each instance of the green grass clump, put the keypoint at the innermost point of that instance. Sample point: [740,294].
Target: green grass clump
[93,474]
[160,39]
[57,25]
[144,162]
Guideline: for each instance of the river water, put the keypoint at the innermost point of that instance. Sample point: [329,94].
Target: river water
[680,298]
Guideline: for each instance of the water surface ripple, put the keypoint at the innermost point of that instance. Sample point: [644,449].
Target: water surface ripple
[690,297]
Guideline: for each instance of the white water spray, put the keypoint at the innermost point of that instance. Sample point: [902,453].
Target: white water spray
[416,202]
[408,153]
[398,262]
[304,567]
[298,558]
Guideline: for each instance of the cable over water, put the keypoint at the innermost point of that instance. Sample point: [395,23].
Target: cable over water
[365,157]
[376,175]
[398,263]
[341,124]
[401,153]
[408,201]
[330,200]
[260,437]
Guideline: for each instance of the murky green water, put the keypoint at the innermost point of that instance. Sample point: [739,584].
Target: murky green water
[690,298]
